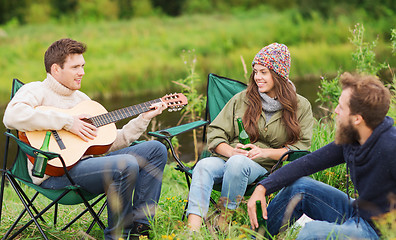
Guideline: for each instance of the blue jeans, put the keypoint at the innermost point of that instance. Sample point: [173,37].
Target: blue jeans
[333,214]
[133,170]
[234,175]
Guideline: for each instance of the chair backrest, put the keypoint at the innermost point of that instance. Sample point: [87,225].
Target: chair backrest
[16,85]
[19,168]
[219,91]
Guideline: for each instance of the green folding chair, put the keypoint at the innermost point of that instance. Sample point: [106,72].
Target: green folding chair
[18,174]
[219,91]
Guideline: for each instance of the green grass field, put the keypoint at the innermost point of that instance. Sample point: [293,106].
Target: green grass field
[131,56]
[167,223]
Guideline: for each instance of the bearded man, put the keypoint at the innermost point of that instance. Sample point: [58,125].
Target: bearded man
[366,141]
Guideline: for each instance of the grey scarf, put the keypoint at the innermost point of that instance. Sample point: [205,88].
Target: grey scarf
[270,105]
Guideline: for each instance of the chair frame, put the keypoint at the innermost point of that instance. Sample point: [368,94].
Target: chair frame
[28,203]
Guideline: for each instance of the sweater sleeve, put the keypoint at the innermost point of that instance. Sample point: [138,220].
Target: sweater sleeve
[21,113]
[325,157]
[129,133]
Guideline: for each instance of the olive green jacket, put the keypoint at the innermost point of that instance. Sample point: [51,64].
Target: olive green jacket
[272,134]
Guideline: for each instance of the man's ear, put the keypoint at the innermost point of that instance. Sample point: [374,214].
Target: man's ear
[357,119]
[55,68]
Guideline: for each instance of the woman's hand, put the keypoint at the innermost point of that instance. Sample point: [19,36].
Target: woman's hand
[258,194]
[257,152]
[240,149]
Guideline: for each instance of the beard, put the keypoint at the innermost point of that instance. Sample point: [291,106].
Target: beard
[346,133]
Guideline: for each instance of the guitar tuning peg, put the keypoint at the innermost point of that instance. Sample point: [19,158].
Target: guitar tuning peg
[170,110]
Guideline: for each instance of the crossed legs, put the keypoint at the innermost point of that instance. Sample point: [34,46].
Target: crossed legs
[332,211]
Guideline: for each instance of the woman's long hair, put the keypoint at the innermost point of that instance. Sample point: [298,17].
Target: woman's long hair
[286,95]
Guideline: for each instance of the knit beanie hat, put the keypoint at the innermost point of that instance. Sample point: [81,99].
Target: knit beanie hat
[275,57]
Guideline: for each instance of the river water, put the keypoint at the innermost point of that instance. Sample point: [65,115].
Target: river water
[306,87]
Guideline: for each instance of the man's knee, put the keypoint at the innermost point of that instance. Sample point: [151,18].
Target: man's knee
[159,149]
[302,184]
[126,166]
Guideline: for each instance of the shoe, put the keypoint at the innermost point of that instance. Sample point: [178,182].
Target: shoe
[140,229]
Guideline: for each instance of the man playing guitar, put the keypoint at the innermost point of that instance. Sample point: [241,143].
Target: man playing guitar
[122,170]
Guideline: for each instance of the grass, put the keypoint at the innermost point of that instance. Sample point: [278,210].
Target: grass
[167,223]
[142,53]
[131,56]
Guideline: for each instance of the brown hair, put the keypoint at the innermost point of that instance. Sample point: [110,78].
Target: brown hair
[369,97]
[59,50]
[286,95]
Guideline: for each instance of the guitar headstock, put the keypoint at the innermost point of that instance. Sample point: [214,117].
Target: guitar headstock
[175,101]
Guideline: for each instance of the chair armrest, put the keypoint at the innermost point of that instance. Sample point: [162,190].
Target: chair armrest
[31,151]
[295,154]
[291,156]
[169,133]
[174,131]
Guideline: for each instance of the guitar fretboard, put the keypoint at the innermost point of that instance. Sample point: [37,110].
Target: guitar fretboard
[117,115]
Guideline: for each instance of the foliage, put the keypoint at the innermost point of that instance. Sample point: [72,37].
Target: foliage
[94,10]
[10,9]
[366,62]
[171,8]
[393,38]
[387,222]
[392,110]
[63,7]
[145,52]
[125,9]
[190,87]
[364,55]
[38,13]
[328,94]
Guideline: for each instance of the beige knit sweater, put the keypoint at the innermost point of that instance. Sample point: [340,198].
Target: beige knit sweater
[20,113]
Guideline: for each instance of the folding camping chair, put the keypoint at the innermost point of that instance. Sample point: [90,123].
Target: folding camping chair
[18,174]
[219,91]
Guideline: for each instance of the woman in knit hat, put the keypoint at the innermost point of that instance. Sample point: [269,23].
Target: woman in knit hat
[276,119]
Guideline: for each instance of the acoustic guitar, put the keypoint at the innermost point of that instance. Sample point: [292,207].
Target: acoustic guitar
[72,148]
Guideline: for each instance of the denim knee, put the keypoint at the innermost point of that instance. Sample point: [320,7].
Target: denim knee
[236,166]
[159,147]
[301,185]
[202,165]
[159,150]
[126,167]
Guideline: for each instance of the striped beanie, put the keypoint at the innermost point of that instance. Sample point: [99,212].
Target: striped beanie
[275,57]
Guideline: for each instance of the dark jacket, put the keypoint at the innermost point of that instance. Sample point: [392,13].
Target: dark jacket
[372,168]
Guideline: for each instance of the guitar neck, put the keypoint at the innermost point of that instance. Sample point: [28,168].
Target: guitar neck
[120,114]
